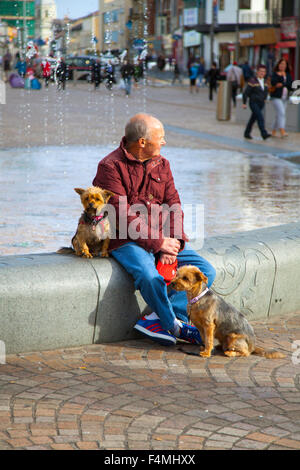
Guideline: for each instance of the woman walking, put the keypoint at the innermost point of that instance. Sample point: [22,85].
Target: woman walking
[281,85]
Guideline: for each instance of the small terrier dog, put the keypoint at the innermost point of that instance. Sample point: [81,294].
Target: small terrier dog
[93,232]
[214,318]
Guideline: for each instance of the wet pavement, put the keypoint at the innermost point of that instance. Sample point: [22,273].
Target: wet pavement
[137,395]
[238,192]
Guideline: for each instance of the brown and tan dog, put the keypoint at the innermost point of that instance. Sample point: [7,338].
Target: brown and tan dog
[214,318]
[93,232]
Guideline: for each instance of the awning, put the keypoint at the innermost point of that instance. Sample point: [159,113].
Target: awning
[285,44]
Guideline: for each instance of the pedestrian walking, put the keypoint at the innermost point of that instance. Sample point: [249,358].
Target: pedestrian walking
[212,77]
[127,72]
[176,72]
[110,75]
[281,85]
[62,74]
[6,60]
[234,76]
[193,74]
[96,73]
[161,62]
[257,93]
[247,71]
[201,73]
[21,67]
[46,71]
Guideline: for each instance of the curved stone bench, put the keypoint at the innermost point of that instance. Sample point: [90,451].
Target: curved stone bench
[51,301]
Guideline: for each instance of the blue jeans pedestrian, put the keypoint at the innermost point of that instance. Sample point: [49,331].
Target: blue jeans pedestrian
[141,265]
[257,115]
[127,81]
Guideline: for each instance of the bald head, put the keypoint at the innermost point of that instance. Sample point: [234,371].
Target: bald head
[141,126]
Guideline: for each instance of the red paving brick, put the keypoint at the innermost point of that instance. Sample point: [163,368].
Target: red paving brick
[158,399]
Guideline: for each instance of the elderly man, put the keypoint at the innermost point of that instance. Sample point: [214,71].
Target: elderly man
[138,173]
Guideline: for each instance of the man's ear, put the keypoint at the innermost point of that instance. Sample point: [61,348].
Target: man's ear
[80,191]
[142,142]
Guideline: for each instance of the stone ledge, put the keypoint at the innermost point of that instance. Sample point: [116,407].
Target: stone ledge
[52,301]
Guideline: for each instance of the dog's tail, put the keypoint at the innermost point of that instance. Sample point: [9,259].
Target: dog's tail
[65,250]
[268,354]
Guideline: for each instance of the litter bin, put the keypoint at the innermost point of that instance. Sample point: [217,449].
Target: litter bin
[224,101]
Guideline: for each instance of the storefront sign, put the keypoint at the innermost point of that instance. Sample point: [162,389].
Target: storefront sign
[191,38]
[258,37]
[190,16]
[288,28]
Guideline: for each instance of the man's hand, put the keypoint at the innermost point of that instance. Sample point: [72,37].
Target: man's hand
[170,246]
[244,106]
[167,259]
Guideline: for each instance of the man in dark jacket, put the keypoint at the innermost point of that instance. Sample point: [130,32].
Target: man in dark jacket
[96,73]
[127,72]
[142,179]
[62,73]
[257,92]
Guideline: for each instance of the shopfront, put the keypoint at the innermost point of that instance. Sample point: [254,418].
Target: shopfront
[286,47]
[258,47]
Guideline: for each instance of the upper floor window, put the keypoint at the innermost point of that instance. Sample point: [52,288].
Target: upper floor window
[221,4]
[245,4]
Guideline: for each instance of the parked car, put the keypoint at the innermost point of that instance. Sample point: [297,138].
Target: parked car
[81,64]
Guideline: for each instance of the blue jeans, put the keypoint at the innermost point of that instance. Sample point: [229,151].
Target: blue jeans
[127,81]
[257,115]
[141,265]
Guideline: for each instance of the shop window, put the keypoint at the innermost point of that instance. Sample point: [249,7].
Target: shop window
[245,4]
[222,5]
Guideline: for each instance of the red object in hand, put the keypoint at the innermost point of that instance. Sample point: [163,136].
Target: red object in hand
[167,271]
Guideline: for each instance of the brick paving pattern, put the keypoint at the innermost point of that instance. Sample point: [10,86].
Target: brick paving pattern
[138,395]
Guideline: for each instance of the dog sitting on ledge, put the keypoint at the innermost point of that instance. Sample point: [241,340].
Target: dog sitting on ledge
[214,318]
[93,232]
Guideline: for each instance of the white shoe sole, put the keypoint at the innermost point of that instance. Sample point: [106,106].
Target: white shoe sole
[156,336]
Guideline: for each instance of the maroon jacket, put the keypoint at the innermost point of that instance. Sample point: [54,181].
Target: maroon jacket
[150,184]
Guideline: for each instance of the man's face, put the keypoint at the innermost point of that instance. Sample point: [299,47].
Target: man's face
[261,73]
[154,143]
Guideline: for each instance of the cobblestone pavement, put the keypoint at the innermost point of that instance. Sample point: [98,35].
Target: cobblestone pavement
[138,395]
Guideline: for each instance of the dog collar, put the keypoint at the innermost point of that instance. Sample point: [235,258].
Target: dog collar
[93,221]
[195,299]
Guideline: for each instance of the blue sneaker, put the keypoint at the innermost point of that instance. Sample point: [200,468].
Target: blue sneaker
[190,334]
[153,330]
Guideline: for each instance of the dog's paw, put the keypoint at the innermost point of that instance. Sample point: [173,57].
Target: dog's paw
[87,255]
[204,353]
[105,255]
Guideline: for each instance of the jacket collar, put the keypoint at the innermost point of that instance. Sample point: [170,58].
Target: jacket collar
[154,161]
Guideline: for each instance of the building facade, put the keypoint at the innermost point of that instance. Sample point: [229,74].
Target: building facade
[116,24]
[83,35]
[19,16]
[241,30]
[46,12]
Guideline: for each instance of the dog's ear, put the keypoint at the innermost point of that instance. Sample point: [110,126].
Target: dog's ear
[80,191]
[107,194]
[201,277]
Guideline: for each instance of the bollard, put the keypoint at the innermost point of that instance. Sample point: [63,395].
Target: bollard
[224,101]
